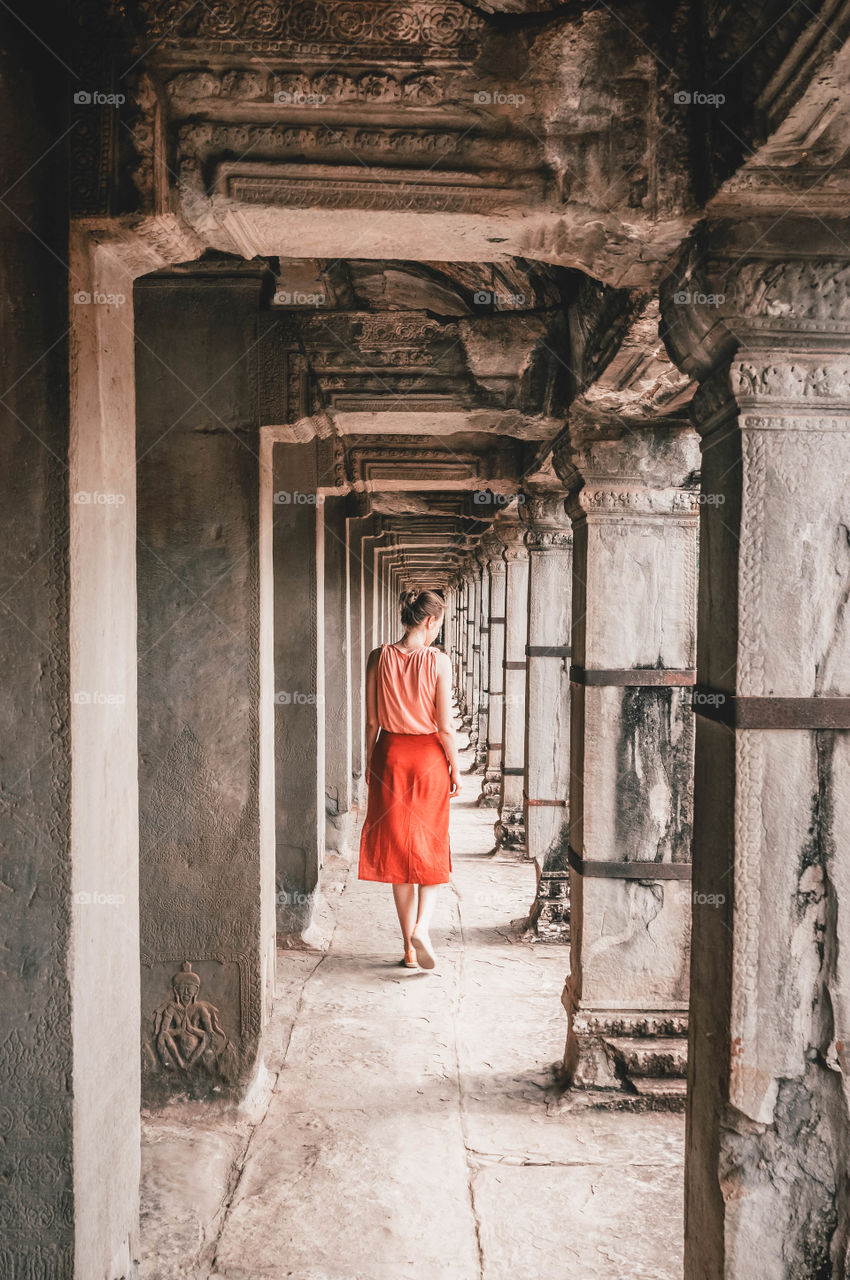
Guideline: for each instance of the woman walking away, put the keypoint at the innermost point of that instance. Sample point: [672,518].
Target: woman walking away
[411,769]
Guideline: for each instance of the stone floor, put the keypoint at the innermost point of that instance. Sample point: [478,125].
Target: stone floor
[409,1123]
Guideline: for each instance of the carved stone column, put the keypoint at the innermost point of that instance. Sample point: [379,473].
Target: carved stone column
[484,661]
[475,634]
[202,875]
[454,636]
[468,631]
[299,672]
[337,672]
[491,787]
[549,539]
[770,993]
[634,509]
[510,827]
[357,527]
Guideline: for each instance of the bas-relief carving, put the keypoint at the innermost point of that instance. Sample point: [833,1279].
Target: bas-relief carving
[187,1035]
[253,140]
[792,379]
[396,28]
[402,190]
[377,85]
[35,1146]
[793,290]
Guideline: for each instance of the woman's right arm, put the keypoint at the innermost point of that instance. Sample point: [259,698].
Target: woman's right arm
[372,725]
[445,724]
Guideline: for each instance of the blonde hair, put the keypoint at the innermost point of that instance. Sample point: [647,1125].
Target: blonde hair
[416,606]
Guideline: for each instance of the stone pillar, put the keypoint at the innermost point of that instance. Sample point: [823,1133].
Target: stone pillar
[468,649]
[769,1100]
[367,537]
[69,1064]
[200,865]
[549,540]
[380,598]
[457,592]
[299,645]
[448,623]
[491,787]
[475,633]
[484,661]
[337,664]
[356,526]
[635,517]
[510,827]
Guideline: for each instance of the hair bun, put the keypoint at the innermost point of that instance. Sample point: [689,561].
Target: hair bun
[418,605]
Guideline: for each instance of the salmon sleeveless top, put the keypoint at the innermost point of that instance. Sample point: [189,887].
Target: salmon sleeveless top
[407,690]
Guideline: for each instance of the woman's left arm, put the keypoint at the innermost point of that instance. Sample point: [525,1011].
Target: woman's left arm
[445,724]
[372,726]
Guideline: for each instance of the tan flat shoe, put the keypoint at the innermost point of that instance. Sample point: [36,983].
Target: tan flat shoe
[409,960]
[424,954]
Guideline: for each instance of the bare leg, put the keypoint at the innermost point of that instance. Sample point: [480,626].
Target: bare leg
[405,905]
[427,902]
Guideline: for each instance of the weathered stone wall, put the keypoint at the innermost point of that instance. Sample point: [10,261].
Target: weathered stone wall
[36,1046]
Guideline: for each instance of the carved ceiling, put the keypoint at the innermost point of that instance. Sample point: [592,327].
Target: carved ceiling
[557,153]
[520,128]
[393,348]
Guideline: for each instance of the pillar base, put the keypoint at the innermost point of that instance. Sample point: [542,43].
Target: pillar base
[491,789]
[338,831]
[510,832]
[549,918]
[636,1053]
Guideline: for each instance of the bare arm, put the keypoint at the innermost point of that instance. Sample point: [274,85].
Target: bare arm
[445,726]
[372,725]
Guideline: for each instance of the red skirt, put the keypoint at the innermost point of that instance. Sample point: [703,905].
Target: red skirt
[405,838]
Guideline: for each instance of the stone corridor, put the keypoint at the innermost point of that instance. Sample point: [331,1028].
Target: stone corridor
[543,307]
[411,1124]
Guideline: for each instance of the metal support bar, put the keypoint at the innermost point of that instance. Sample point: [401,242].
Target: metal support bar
[629,870]
[640,677]
[747,712]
